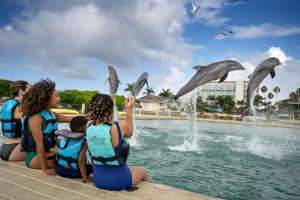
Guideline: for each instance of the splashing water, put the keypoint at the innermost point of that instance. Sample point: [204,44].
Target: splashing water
[133,141]
[190,141]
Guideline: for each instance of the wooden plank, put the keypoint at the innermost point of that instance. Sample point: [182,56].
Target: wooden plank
[40,186]
[76,188]
[69,184]
[9,190]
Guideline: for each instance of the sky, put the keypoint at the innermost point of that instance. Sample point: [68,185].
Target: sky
[72,42]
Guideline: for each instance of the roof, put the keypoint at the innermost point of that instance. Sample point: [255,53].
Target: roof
[289,101]
[152,98]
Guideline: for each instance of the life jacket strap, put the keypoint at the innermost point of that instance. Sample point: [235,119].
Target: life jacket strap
[68,159]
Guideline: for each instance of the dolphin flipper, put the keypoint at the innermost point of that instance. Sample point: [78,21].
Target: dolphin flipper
[223,78]
[272,73]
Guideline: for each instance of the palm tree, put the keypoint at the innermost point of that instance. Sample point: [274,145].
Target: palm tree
[276,90]
[257,100]
[298,92]
[129,87]
[165,93]
[293,95]
[264,89]
[149,91]
[270,96]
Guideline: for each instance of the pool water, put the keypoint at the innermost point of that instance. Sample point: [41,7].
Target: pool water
[229,161]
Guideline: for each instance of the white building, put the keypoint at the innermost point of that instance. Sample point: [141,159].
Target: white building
[152,103]
[236,89]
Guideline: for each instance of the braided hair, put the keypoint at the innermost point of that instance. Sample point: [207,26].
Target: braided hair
[100,108]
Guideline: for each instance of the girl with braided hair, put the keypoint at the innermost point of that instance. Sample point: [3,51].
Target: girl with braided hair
[108,145]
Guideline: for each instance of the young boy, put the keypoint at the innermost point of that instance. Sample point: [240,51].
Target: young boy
[72,147]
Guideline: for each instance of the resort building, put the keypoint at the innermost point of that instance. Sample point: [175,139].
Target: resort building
[236,89]
[152,103]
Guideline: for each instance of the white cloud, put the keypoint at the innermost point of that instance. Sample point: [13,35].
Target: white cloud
[264,30]
[174,81]
[63,37]
[287,74]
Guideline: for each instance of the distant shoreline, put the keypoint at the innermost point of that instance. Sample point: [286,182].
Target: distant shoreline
[279,123]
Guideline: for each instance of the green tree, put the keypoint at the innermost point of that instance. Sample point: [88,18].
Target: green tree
[241,106]
[226,102]
[200,105]
[5,88]
[293,95]
[298,92]
[270,95]
[276,90]
[149,91]
[264,89]
[129,87]
[258,100]
[165,93]
[75,98]
[211,98]
[120,102]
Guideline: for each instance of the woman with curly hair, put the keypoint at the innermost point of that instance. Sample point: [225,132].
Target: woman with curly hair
[109,147]
[11,123]
[40,124]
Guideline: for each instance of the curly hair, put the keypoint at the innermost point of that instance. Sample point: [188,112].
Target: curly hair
[16,86]
[38,97]
[100,108]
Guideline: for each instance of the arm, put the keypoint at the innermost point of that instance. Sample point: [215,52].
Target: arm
[128,124]
[82,164]
[35,123]
[63,118]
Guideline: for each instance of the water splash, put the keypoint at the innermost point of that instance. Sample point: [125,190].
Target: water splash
[133,141]
[191,138]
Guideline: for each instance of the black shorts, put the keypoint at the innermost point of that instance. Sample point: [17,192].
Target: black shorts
[6,150]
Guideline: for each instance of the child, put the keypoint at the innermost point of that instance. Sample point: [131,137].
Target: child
[72,147]
[108,145]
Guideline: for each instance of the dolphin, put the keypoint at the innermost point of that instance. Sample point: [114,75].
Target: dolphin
[139,84]
[262,70]
[205,74]
[113,80]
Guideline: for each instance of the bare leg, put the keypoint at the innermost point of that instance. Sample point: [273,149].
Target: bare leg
[35,163]
[16,154]
[138,174]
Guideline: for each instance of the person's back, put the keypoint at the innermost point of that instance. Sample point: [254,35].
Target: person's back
[72,147]
[108,145]
[11,123]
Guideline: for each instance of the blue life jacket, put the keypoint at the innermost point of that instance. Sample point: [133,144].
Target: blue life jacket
[11,127]
[100,147]
[49,126]
[68,151]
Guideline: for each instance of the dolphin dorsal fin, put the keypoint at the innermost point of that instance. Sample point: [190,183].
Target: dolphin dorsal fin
[198,67]
[272,73]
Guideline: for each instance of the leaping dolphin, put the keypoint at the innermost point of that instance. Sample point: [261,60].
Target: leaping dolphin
[262,70]
[205,74]
[139,84]
[113,80]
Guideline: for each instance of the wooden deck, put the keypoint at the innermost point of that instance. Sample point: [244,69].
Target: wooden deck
[19,182]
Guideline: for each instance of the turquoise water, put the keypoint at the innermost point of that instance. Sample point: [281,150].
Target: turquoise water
[228,161]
